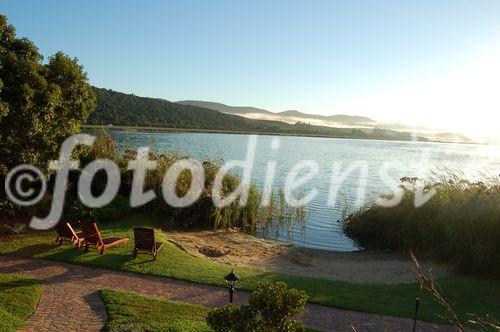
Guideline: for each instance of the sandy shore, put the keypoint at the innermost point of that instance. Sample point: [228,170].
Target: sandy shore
[239,249]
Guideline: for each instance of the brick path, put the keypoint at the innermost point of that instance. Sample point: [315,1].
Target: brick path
[70,299]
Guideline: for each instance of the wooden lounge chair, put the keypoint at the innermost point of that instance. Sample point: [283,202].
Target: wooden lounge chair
[92,237]
[144,239]
[66,232]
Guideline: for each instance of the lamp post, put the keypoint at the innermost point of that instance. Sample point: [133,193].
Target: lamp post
[417,303]
[231,281]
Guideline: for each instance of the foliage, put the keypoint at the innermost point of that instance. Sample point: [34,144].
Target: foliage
[8,208]
[6,229]
[40,104]
[18,300]
[469,294]
[271,307]
[277,305]
[130,312]
[460,224]
[119,207]
[119,109]
[233,319]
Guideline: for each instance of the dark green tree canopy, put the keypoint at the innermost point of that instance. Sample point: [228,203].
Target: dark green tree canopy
[40,103]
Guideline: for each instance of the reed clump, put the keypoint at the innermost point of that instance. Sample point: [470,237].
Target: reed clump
[277,216]
[202,213]
[460,224]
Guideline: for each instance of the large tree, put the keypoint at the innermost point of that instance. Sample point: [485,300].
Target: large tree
[40,103]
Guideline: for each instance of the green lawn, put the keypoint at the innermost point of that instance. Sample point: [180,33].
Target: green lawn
[129,312]
[18,300]
[475,295]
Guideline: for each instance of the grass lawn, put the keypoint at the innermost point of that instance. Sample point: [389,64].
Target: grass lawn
[474,295]
[129,312]
[18,300]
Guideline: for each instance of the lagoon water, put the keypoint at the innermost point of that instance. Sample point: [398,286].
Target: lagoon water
[322,230]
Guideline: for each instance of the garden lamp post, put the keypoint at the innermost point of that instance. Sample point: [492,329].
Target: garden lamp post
[417,303]
[231,280]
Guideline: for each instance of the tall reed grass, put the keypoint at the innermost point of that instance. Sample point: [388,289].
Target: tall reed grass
[459,225]
[202,213]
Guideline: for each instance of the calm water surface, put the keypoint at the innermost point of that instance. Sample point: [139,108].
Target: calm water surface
[322,229]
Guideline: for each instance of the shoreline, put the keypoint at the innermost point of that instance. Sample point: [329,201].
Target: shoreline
[239,132]
[238,249]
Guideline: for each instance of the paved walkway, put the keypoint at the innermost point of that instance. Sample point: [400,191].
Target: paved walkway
[70,299]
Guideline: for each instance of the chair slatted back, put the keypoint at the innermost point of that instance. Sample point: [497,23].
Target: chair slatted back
[91,232]
[144,238]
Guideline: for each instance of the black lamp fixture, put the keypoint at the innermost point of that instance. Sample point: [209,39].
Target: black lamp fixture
[231,281]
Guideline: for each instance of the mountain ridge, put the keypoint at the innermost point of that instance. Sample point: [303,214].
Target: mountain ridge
[240,110]
[223,107]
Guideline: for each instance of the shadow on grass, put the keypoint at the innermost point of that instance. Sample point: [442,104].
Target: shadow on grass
[69,254]
[111,260]
[34,249]
[18,283]
[139,263]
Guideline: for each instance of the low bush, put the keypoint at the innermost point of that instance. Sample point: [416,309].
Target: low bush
[272,307]
[460,224]
[232,319]
[119,207]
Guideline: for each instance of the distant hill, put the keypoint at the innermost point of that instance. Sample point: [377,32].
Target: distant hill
[120,109]
[291,115]
[338,118]
[335,121]
[223,108]
[450,137]
[351,119]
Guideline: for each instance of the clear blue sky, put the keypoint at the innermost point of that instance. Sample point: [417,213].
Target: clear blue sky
[314,56]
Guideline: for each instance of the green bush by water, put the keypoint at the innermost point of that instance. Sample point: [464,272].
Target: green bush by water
[460,224]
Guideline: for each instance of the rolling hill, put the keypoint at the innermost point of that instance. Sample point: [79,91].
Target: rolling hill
[290,116]
[224,108]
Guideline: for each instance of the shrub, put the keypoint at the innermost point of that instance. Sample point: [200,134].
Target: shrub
[272,307]
[119,207]
[233,319]
[459,225]
[7,208]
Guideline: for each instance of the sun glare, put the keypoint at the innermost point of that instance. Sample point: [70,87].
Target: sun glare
[465,99]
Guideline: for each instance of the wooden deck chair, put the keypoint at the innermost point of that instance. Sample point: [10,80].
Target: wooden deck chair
[66,232]
[92,237]
[144,239]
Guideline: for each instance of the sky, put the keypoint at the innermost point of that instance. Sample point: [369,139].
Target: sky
[431,63]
